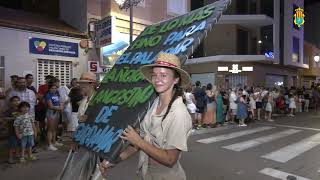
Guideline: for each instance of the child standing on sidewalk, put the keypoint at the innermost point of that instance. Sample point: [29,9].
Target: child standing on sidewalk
[10,116]
[25,131]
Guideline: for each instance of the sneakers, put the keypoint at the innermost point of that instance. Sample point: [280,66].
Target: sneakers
[34,150]
[270,120]
[243,125]
[52,148]
[58,144]
[31,158]
[291,115]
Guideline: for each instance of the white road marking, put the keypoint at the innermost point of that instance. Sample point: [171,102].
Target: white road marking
[291,151]
[233,135]
[279,174]
[258,141]
[296,127]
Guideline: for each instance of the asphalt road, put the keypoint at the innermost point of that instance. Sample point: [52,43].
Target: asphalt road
[262,151]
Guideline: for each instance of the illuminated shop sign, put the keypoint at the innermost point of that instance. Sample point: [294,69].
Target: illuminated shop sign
[235,69]
[269,54]
[53,47]
[104,30]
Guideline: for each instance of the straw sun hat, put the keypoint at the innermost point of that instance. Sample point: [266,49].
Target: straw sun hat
[170,61]
[87,77]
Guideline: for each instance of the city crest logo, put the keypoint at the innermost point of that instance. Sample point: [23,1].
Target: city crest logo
[299,17]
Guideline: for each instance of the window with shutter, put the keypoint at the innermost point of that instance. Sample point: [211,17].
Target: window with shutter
[59,69]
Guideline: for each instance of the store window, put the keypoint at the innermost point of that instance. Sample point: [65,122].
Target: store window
[236,80]
[274,81]
[204,78]
[295,50]
[60,69]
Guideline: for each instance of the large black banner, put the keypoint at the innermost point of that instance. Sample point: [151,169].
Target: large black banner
[124,96]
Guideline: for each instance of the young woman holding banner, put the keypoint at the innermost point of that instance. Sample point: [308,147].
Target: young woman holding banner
[166,126]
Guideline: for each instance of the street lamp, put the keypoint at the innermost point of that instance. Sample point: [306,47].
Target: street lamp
[316,58]
[128,4]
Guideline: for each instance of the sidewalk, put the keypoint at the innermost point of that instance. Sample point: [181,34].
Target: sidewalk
[47,166]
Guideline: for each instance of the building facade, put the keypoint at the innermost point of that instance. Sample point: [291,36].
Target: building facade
[312,75]
[75,22]
[38,45]
[17,57]
[145,13]
[259,34]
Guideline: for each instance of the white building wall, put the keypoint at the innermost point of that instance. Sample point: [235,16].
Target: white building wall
[14,46]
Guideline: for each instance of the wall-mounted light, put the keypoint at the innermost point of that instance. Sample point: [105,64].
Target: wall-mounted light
[316,58]
[259,42]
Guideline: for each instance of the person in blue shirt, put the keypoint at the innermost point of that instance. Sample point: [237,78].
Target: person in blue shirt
[54,107]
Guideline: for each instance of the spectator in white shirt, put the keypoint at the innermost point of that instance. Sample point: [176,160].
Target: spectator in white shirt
[233,105]
[64,98]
